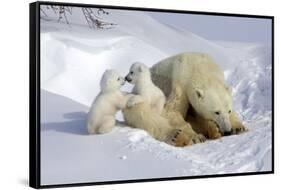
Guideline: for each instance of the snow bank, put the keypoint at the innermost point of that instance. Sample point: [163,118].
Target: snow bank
[73,58]
[71,54]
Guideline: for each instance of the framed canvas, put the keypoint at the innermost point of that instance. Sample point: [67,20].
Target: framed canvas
[123,94]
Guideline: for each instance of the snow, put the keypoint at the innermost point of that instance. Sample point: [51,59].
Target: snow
[73,59]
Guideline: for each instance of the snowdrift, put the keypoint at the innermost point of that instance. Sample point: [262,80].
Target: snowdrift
[73,58]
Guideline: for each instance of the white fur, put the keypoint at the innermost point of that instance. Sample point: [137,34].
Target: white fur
[202,82]
[101,117]
[145,90]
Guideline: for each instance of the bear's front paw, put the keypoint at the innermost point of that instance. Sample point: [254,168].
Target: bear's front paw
[199,138]
[213,131]
[238,129]
[180,138]
[236,124]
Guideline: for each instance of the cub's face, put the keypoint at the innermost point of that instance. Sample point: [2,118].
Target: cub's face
[215,105]
[136,72]
[111,80]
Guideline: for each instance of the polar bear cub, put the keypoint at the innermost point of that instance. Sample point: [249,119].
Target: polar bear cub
[145,90]
[101,117]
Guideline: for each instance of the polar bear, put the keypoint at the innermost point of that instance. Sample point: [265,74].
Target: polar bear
[198,101]
[144,89]
[145,108]
[101,117]
[196,88]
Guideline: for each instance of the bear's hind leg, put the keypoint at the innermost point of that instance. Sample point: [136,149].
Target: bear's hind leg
[184,137]
[107,125]
[182,133]
[141,116]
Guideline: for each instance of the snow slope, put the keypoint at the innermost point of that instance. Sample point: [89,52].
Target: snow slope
[73,59]
[70,54]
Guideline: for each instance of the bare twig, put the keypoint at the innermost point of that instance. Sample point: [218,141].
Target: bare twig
[95,21]
[62,13]
[92,16]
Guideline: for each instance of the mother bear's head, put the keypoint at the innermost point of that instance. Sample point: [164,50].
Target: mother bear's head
[214,102]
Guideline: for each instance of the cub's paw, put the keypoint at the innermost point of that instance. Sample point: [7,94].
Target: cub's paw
[133,101]
[180,138]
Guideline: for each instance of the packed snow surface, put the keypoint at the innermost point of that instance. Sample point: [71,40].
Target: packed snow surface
[73,58]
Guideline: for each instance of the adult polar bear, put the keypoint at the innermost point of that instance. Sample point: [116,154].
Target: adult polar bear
[196,94]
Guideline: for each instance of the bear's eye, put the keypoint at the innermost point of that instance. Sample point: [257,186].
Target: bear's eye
[229,111]
[131,72]
[217,113]
[118,79]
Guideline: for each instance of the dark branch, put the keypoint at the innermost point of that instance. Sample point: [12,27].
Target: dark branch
[92,16]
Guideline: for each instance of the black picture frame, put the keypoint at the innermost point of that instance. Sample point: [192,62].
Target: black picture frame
[34,94]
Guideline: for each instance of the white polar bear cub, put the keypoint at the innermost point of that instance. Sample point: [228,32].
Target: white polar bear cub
[101,117]
[145,90]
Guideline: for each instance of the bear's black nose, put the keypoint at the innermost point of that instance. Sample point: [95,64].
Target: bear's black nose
[127,79]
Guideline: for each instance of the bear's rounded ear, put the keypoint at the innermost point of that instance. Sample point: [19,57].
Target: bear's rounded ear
[141,68]
[199,93]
